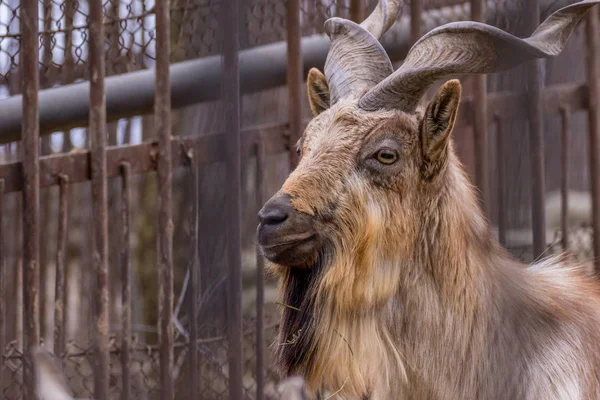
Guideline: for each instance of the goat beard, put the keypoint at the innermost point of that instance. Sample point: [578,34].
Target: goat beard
[296,344]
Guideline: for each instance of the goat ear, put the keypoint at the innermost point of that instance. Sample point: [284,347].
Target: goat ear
[318,91]
[436,127]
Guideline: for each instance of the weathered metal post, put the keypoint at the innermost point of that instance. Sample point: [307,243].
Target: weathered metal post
[294,77]
[501,180]
[61,250]
[231,107]
[125,281]
[592,31]
[162,125]
[416,24]
[31,187]
[2,280]
[480,118]
[97,131]
[536,138]
[357,11]
[194,288]
[565,114]
[260,280]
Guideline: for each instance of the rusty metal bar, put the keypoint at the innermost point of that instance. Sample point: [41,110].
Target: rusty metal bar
[60,294]
[3,322]
[142,157]
[565,114]
[480,122]
[45,196]
[231,107]
[294,77]
[416,24]
[47,43]
[97,131]
[69,63]
[194,287]
[592,32]
[260,281]
[125,282]
[357,11]
[162,125]
[31,187]
[536,139]
[501,180]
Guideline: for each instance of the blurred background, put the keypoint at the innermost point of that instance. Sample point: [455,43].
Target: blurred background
[274,110]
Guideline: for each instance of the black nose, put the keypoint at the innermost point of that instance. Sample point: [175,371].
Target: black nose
[275,211]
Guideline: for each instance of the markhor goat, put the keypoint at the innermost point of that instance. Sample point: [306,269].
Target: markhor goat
[394,286]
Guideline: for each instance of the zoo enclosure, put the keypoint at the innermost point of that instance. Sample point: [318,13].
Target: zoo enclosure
[50,93]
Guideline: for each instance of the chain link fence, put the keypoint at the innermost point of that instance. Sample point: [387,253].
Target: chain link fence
[130,37]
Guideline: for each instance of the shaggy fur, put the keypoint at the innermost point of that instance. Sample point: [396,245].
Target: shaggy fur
[411,297]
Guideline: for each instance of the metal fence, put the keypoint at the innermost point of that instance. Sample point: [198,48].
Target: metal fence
[46,185]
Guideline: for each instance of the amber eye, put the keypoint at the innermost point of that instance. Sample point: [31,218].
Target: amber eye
[386,156]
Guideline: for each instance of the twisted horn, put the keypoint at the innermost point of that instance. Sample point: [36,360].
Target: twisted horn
[469,48]
[356,60]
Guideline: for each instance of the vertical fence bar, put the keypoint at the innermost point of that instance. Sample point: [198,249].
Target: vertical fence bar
[536,138]
[480,126]
[162,123]
[60,298]
[416,25]
[69,61]
[194,287]
[31,187]
[231,106]
[3,323]
[592,31]
[294,77]
[501,180]
[357,11]
[565,114]
[97,131]
[126,284]
[45,195]
[260,282]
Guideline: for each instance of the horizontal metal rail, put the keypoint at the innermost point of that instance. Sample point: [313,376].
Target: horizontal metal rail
[197,81]
[143,157]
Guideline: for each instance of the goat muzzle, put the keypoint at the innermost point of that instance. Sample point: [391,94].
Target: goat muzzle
[286,236]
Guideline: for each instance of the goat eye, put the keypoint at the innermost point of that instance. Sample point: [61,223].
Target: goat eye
[386,156]
[298,151]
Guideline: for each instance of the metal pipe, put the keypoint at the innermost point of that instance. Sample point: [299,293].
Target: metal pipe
[97,131]
[162,126]
[31,188]
[231,111]
[480,125]
[592,31]
[196,81]
[536,139]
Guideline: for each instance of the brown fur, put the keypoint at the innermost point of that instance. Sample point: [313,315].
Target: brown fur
[411,297]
